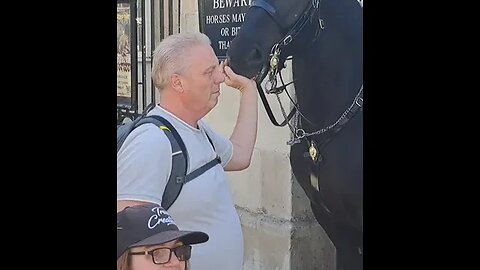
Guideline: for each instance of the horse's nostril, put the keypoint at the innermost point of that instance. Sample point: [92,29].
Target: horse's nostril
[255,55]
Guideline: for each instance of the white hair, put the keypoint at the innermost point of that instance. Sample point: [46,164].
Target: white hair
[170,56]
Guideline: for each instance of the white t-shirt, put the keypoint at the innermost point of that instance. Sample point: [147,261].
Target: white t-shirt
[205,204]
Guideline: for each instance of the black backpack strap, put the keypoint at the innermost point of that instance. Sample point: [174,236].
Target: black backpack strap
[213,146]
[178,174]
[199,171]
[179,162]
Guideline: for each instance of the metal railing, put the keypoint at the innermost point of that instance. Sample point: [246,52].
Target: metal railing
[151,21]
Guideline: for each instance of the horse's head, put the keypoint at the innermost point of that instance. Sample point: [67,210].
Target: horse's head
[267,22]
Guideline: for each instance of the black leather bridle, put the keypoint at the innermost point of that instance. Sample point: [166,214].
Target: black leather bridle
[303,26]
[301,31]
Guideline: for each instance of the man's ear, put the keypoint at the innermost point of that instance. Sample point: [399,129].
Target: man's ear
[176,82]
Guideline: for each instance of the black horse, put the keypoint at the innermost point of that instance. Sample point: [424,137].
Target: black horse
[325,39]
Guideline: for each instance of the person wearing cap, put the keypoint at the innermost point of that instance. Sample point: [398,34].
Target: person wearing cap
[148,238]
[187,74]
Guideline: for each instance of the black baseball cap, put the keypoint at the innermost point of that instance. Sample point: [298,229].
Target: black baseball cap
[148,225]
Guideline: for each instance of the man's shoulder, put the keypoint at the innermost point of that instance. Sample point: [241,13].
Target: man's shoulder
[147,136]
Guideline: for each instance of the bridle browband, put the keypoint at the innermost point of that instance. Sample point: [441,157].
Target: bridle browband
[310,18]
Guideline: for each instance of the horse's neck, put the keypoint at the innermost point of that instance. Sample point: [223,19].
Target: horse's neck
[328,77]
[321,98]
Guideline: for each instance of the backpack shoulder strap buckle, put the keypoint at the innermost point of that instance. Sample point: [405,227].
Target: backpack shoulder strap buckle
[180,179]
